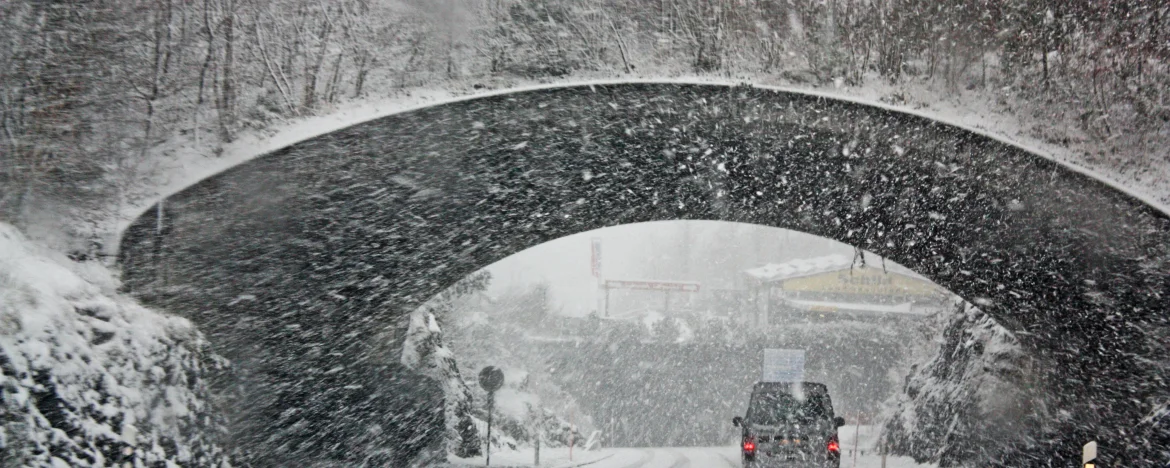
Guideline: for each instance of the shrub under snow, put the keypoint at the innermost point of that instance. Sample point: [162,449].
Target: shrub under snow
[91,378]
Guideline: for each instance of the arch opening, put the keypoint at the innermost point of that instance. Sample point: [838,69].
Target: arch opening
[669,368]
[288,261]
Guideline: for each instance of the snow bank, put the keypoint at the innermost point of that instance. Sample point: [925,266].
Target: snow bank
[91,378]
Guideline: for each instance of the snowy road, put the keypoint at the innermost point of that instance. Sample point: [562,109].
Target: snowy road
[689,457]
[713,457]
[862,437]
[670,457]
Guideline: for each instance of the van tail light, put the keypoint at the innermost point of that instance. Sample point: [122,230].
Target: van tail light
[834,447]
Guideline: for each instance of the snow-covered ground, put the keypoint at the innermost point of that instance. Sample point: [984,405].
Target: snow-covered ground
[671,457]
[865,437]
[549,457]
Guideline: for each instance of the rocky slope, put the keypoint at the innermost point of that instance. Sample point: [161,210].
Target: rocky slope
[91,378]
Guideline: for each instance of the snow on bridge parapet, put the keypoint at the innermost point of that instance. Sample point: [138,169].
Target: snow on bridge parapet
[194,165]
[802,267]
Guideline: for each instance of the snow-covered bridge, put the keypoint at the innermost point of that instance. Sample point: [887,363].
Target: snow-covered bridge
[293,261]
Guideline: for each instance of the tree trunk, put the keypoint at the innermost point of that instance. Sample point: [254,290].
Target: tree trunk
[621,47]
[310,98]
[1044,60]
[362,61]
[334,80]
[227,85]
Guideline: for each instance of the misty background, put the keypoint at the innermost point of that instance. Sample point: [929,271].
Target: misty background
[712,253]
[651,374]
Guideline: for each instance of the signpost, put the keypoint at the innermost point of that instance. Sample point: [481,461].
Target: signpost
[783,365]
[595,268]
[491,379]
[595,258]
[1089,455]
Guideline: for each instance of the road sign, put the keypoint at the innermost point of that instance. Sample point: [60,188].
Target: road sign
[595,259]
[783,365]
[684,286]
[491,378]
[1089,455]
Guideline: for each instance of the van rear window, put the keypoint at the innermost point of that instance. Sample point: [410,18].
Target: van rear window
[782,408]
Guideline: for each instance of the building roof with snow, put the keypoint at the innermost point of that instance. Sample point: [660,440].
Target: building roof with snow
[776,272]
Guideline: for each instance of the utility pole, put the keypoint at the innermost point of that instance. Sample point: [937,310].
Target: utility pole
[856,438]
[606,287]
[595,268]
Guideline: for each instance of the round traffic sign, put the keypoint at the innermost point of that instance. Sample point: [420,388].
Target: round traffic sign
[491,378]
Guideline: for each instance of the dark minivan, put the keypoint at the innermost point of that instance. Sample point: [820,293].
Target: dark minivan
[790,425]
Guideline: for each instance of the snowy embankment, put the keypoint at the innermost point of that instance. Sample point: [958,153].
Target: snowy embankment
[91,378]
[180,162]
[976,398]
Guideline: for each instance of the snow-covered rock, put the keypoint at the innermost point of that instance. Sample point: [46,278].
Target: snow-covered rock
[423,350]
[973,400]
[90,377]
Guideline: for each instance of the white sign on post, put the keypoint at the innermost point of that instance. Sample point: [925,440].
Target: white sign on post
[783,365]
[1089,455]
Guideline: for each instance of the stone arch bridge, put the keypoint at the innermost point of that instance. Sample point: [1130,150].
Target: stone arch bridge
[294,261]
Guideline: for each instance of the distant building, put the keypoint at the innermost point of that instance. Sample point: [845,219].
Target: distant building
[838,286]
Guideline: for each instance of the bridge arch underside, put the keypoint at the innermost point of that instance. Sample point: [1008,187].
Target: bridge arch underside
[291,262]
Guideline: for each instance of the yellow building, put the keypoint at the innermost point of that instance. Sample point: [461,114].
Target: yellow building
[838,285]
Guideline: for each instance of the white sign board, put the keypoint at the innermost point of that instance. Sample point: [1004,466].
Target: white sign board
[783,365]
[1089,454]
[684,286]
